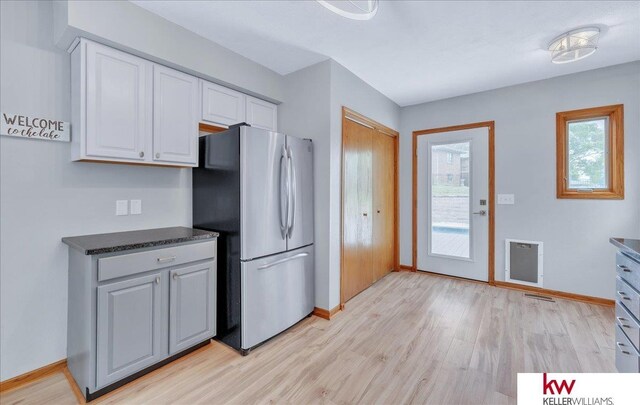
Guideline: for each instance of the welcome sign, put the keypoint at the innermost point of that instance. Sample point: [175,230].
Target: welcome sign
[24,126]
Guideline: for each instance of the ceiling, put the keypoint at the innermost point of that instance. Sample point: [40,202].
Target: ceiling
[415,51]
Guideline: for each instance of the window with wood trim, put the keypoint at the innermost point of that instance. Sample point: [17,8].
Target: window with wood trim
[590,153]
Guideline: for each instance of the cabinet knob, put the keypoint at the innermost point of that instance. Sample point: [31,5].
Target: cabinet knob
[175,276]
[141,154]
[157,156]
[157,280]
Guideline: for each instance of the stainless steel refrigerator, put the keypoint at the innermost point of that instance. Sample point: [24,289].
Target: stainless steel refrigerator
[255,187]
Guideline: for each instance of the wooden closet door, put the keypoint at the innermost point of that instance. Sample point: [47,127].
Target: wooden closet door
[357,209]
[383,205]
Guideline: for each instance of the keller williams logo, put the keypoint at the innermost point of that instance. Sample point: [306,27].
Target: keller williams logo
[549,386]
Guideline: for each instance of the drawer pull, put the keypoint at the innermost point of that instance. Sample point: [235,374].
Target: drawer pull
[166,259]
[621,322]
[620,345]
[624,268]
[624,295]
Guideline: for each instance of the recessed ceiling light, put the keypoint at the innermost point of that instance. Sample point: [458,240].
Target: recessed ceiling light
[353,9]
[574,45]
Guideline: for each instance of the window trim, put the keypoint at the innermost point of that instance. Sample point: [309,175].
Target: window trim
[615,164]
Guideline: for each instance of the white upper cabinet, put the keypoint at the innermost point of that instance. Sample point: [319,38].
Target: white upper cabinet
[262,114]
[221,105]
[126,109]
[129,110]
[175,116]
[118,103]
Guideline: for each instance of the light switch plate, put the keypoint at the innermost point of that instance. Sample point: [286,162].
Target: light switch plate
[122,207]
[136,207]
[504,199]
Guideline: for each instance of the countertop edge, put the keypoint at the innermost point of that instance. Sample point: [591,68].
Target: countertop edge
[139,245]
[624,248]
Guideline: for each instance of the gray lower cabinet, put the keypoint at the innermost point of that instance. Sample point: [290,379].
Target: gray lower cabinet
[130,310]
[192,306]
[627,313]
[129,327]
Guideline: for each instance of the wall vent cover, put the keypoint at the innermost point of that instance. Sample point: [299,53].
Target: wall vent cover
[523,262]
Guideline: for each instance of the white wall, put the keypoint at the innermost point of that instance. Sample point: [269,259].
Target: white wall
[577,254]
[312,108]
[305,114]
[131,28]
[44,196]
[350,91]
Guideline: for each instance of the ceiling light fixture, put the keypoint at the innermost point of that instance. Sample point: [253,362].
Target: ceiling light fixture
[574,45]
[353,9]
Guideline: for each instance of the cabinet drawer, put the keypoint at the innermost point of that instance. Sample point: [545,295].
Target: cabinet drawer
[629,324]
[628,269]
[628,296]
[627,357]
[132,263]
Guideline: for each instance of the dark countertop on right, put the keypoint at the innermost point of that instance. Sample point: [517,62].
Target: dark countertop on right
[629,246]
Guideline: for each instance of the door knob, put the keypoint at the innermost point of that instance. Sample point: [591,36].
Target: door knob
[481,212]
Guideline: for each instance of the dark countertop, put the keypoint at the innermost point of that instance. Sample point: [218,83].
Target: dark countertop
[120,241]
[629,246]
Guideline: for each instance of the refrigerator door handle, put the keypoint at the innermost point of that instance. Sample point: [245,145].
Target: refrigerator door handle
[292,180]
[284,193]
[286,259]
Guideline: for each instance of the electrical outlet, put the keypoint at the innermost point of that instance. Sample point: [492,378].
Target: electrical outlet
[506,199]
[136,207]
[122,207]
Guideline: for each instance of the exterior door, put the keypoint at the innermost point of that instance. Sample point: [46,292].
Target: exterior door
[453,203]
[383,205]
[262,180]
[175,122]
[128,327]
[119,110]
[300,155]
[357,209]
[192,308]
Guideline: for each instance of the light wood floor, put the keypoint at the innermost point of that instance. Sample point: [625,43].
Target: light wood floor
[410,338]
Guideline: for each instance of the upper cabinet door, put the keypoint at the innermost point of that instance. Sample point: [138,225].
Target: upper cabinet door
[175,112]
[222,105]
[118,103]
[262,114]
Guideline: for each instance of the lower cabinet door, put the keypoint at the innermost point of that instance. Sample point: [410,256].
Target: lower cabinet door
[128,327]
[192,305]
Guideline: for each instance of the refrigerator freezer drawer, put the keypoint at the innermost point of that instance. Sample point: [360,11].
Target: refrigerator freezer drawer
[277,292]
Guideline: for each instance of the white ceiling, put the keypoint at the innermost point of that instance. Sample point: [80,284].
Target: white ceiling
[415,51]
